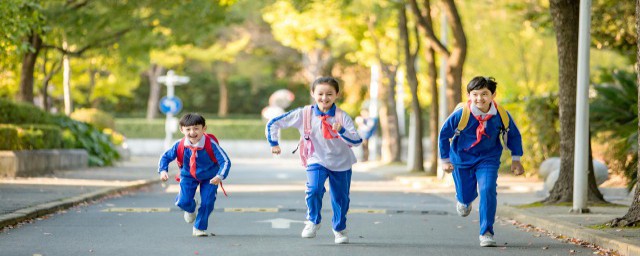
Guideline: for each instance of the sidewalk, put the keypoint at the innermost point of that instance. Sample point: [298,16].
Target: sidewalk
[27,198]
[515,191]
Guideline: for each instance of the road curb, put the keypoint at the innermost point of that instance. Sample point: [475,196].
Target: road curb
[54,206]
[597,237]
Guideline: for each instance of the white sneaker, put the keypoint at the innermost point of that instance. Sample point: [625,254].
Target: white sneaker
[341,237]
[486,240]
[463,209]
[189,217]
[197,232]
[310,230]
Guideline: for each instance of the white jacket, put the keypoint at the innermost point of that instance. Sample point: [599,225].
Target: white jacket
[333,154]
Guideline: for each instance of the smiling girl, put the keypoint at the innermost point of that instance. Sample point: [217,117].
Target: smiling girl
[332,134]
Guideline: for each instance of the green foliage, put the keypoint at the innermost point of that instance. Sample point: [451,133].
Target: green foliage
[22,113]
[101,151]
[538,122]
[9,137]
[37,136]
[99,119]
[29,137]
[614,116]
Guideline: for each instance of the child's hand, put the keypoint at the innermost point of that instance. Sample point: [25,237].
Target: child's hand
[516,168]
[276,150]
[337,127]
[215,181]
[164,176]
[447,167]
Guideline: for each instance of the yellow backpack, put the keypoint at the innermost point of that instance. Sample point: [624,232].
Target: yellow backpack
[466,113]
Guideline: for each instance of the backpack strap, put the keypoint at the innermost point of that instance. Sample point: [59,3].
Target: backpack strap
[503,116]
[180,153]
[464,120]
[339,115]
[306,120]
[209,148]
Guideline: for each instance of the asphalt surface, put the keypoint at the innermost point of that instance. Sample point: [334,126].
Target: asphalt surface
[263,215]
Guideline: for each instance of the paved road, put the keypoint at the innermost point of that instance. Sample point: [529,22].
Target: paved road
[263,216]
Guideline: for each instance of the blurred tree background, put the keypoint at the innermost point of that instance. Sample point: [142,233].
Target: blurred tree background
[237,52]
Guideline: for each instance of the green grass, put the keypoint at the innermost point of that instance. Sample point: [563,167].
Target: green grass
[569,204]
[232,128]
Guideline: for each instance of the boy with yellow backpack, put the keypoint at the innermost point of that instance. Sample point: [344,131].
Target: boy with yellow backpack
[470,146]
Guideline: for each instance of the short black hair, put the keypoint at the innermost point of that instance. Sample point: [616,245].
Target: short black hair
[191,119]
[326,80]
[480,82]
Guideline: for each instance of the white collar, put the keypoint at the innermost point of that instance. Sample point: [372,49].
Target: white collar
[477,112]
[200,143]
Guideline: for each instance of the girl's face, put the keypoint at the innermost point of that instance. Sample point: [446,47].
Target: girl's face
[482,99]
[324,95]
[194,133]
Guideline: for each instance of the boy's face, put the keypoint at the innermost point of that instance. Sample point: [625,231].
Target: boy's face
[194,133]
[324,95]
[482,98]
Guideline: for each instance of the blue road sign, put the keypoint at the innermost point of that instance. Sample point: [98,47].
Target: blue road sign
[171,105]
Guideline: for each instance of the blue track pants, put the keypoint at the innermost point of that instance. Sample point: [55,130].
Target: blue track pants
[185,199]
[470,181]
[339,183]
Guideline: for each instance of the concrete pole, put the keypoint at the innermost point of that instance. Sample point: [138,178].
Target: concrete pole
[444,112]
[66,81]
[373,108]
[581,158]
[171,80]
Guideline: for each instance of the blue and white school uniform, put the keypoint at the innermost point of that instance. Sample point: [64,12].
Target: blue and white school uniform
[476,168]
[332,159]
[206,169]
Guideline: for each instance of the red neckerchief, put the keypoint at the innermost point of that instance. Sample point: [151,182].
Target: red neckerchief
[480,130]
[327,130]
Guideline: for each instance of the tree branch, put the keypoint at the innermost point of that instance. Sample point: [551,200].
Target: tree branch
[427,27]
[100,42]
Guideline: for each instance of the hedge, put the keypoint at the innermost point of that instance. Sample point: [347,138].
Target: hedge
[28,137]
[237,129]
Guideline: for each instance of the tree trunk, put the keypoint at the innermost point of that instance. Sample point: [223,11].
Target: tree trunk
[632,218]
[434,116]
[593,193]
[223,104]
[565,14]
[417,163]
[458,53]
[389,118]
[154,92]
[458,56]
[28,67]
[48,75]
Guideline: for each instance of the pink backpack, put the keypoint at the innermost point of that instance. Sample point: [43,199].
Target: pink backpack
[305,145]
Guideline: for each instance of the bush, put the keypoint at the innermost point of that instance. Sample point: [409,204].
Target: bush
[22,113]
[98,118]
[101,151]
[9,137]
[29,137]
[39,137]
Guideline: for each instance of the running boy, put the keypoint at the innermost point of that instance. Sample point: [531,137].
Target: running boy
[206,165]
[473,154]
[332,134]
